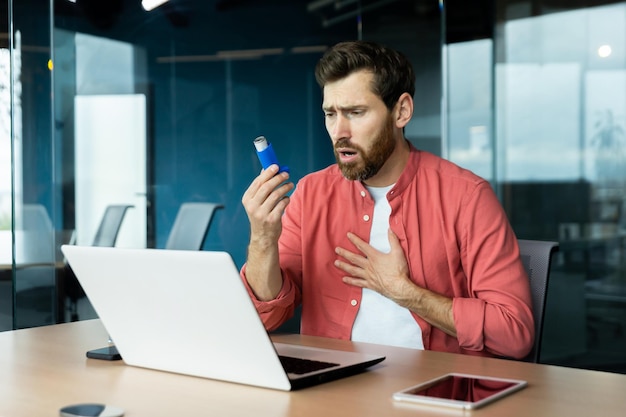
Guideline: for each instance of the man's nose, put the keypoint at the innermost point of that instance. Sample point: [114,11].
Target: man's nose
[340,128]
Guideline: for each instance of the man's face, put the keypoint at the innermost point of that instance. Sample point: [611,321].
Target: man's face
[360,126]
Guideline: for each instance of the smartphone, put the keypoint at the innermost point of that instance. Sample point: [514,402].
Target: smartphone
[266,154]
[460,390]
[90,410]
[108,353]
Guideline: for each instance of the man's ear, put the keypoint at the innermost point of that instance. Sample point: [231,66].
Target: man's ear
[404,110]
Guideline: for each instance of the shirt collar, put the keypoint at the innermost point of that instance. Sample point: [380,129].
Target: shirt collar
[410,171]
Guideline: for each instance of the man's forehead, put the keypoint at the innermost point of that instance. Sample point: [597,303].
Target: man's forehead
[348,92]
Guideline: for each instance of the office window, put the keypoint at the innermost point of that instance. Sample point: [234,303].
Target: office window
[469,103]
[553,81]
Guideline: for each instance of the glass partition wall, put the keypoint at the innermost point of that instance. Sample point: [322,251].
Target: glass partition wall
[155,108]
[27,186]
[539,108]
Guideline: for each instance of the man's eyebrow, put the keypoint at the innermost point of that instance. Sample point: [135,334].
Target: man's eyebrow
[343,108]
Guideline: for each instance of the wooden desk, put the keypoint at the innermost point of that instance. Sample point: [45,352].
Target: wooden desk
[43,369]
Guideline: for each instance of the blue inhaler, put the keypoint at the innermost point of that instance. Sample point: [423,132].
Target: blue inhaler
[266,154]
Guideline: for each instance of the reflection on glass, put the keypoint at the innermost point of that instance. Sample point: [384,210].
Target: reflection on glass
[464,388]
[559,153]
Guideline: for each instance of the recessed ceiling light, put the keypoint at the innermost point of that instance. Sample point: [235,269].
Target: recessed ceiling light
[152,4]
[604,51]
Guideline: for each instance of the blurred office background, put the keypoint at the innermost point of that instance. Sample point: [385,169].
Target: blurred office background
[106,103]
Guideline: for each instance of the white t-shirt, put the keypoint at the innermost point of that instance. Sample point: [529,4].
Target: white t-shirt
[379,319]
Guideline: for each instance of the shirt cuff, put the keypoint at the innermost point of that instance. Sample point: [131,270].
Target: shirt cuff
[284,298]
[469,319]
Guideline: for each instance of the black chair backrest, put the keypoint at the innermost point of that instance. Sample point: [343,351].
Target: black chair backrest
[191,226]
[109,227]
[536,256]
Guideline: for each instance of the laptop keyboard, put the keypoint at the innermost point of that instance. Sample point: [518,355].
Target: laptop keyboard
[301,366]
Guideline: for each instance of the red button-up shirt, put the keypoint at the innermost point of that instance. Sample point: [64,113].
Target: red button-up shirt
[457,241]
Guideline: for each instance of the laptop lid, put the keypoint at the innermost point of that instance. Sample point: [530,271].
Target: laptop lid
[188,312]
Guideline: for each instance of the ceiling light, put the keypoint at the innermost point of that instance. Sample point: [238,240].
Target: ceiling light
[152,4]
[604,51]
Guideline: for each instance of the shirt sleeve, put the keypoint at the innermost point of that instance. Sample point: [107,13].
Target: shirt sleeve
[275,312]
[497,316]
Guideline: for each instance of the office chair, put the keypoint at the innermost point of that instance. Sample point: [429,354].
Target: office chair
[536,256]
[106,235]
[191,226]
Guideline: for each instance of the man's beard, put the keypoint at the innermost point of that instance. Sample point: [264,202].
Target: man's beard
[372,161]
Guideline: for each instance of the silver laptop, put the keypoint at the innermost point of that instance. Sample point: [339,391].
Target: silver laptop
[188,312]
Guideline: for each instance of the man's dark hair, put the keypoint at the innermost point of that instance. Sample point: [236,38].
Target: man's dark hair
[393,73]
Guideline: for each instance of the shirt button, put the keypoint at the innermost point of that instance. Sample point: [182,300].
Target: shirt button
[362,193]
[353,302]
[366,218]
